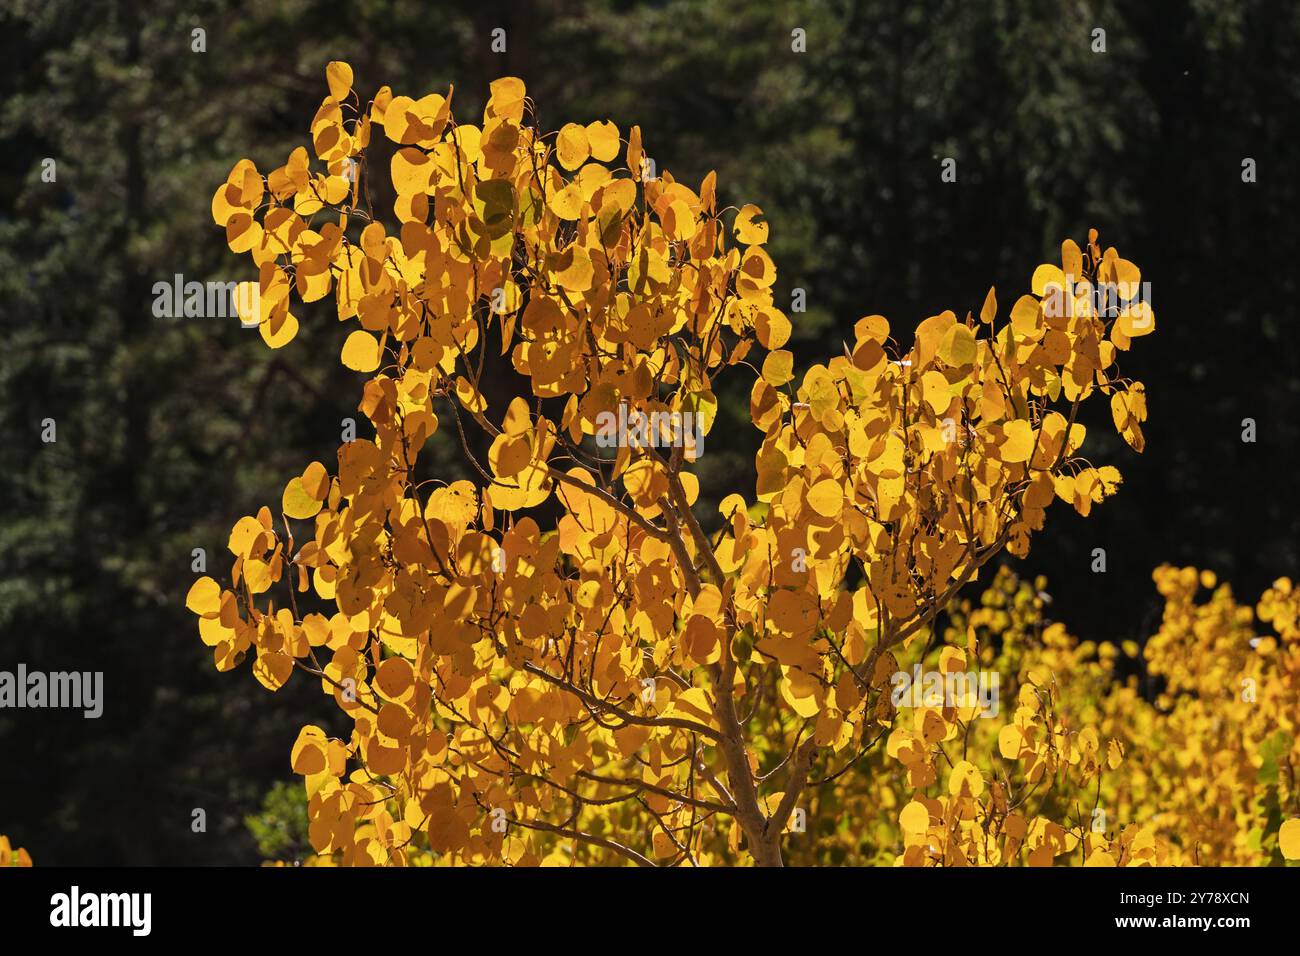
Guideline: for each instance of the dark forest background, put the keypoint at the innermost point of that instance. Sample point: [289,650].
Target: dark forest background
[170,429]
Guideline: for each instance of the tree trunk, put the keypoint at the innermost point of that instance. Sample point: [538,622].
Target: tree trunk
[766,851]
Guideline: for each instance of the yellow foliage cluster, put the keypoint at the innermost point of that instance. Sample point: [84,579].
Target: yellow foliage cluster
[1216,753]
[622,685]
[1181,754]
[9,856]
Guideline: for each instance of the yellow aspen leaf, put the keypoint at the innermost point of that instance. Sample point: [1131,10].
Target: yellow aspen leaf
[872,327]
[1288,839]
[1136,319]
[1127,275]
[773,328]
[602,138]
[1114,754]
[315,481]
[1071,260]
[934,388]
[408,121]
[571,146]
[394,678]
[692,703]
[1018,441]
[690,486]
[257,575]
[508,455]
[577,271]
[778,368]
[1045,277]
[204,598]
[507,98]
[277,335]
[308,754]
[361,352]
[243,536]
[1040,856]
[635,153]
[517,419]
[758,272]
[567,202]
[679,222]
[338,75]
[989,310]
[1026,317]
[243,232]
[914,818]
[965,780]
[952,660]
[273,669]
[750,228]
[469,396]
[411,171]
[1009,742]
[957,348]
[297,502]
[222,206]
[826,498]
[890,463]
[804,705]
